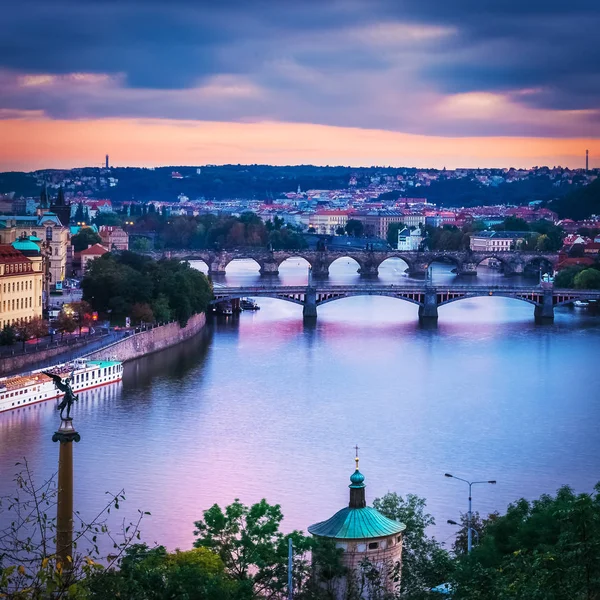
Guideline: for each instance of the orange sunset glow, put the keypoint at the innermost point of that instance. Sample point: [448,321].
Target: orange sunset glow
[43,143]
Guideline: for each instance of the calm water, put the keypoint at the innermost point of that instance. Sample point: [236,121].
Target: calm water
[262,406]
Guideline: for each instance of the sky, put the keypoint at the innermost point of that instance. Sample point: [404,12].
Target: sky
[355,82]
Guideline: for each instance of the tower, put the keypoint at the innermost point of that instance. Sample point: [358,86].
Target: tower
[369,540]
[107,163]
[62,208]
[587,160]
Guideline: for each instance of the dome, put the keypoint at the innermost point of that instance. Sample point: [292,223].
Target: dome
[357,479]
[357,523]
[25,245]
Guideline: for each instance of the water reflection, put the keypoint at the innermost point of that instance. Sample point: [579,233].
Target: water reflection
[264,405]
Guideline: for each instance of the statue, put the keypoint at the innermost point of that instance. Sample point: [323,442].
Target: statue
[69,397]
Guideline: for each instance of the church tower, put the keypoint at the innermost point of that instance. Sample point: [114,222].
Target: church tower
[369,541]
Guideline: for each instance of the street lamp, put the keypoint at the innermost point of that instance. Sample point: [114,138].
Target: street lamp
[451,522]
[469,514]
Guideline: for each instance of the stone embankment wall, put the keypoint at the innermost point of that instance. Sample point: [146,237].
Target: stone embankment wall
[147,342]
[31,360]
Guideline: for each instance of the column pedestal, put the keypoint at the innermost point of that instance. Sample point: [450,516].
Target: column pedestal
[66,435]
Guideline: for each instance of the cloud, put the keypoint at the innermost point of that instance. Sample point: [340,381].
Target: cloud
[510,67]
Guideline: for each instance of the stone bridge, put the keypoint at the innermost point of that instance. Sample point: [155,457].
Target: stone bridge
[369,261]
[427,298]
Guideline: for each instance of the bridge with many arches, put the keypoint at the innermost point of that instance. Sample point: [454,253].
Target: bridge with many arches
[369,261]
[427,297]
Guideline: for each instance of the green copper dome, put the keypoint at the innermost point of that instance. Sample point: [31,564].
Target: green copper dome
[357,479]
[25,245]
[356,523]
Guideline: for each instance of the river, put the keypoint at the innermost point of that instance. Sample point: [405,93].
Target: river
[261,405]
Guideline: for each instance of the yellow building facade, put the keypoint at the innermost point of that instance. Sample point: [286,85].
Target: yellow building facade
[21,282]
[48,229]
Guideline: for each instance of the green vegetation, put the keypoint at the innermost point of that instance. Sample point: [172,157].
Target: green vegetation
[355,228]
[85,238]
[546,549]
[580,203]
[578,277]
[127,284]
[210,231]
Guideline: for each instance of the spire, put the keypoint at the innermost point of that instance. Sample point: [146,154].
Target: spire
[60,199]
[357,486]
[44,202]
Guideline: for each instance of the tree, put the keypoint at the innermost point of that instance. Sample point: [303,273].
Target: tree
[160,309]
[81,313]
[340,231]
[108,218]
[588,279]
[355,228]
[82,215]
[65,323]
[253,550]
[512,224]
[542,550]
[29,569]
[142,313]
[8,336]
[425,563]
[565,277]
[85,238]
[392,233]
[140,244]
[152,573]
[38,327]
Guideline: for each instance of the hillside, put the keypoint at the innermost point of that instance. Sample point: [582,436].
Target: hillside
[580,203]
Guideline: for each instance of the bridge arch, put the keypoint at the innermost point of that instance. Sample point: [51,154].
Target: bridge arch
[243,257]
[294,256]
[347,257]
[393,258]
[489,294]
[405,298]
[293,298]
[539,261]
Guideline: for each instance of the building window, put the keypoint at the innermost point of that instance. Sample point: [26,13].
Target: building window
[399,539]
[373,545]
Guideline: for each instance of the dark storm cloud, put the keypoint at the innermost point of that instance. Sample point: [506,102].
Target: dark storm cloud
[315,61]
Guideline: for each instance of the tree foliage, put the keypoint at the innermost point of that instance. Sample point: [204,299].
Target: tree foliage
[425,563]
[355,228]
[85,238]
[547,549]
[251,546]
[588,279]
[114,284]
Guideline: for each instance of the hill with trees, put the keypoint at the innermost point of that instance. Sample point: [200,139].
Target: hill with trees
[580,203]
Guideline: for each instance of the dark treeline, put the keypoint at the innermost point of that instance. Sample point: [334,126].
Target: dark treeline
[217,232]
[130,285]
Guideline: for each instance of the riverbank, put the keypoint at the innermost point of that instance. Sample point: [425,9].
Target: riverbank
[148,342]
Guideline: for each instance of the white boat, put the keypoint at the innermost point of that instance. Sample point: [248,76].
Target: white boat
[581,303]
[21,390]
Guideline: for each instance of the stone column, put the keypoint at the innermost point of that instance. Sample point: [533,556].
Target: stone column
[369,267]
[428,312]
[218,264]
[320,267]
[467,268]
[418,268]
[544,312]
[66,435]
[309,311]
[269,267]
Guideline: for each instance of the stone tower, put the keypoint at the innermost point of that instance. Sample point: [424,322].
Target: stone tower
[369,540]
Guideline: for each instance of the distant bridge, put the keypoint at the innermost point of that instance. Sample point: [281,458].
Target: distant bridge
[369,261]
[428,298]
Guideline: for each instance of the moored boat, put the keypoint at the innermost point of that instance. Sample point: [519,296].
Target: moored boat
[21,390]
[248,304]
[581,303]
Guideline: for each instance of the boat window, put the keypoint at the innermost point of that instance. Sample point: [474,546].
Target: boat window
[87,376]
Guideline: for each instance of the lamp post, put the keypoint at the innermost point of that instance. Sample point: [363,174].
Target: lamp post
[469,514]
[451,522]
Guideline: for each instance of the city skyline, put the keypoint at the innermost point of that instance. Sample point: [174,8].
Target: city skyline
[402,84]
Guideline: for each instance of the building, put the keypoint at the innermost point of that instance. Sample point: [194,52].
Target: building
[376,222]
[409,240]
[90,254]
[50,234]
[115,238]
[366,537]
[328,221]
[21,281]
[497,241]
